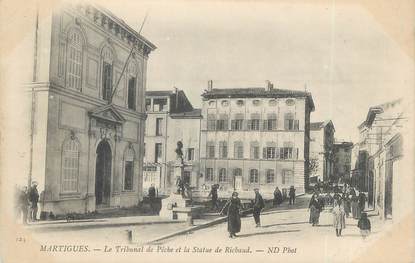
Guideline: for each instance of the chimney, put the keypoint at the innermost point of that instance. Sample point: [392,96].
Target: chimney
[210,85]
[269,84]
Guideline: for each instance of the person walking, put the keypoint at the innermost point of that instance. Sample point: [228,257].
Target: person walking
[315,209]
[214,195]
[362,201]
[364,225]
[354,203]
[339,217]
[291,194]
[258,206]
[346,203]
[152,197]
[277,197]
[233,208]
[23,204]
[34,199]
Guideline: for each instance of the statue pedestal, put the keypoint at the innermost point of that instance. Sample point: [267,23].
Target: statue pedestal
[173,201]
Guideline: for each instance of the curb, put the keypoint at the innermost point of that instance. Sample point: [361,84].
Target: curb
[69,227]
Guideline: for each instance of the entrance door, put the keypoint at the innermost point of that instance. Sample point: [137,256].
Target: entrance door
[103,174]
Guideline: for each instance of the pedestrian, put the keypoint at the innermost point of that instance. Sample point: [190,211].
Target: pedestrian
[346,202]
[364,225]
[214,194]
[339,217]
[362,201]
[34,199]
[277,197]
[292,195]
[233,207]
[258,206]
[23,204]
[354,203]
[315,209]
[152,197]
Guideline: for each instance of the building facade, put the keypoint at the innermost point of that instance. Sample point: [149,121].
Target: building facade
[170,118]
[255,138]
[321,151]
[342,152]
[87,136]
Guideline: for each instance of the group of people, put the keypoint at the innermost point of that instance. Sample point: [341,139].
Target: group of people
[343,204]
[26,203]
[279,197]
[233,208]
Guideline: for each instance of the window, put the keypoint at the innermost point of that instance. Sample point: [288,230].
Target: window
[212,103]
[254,151]
[238,150]
[225,103]
[272,102]
[158,152]
[222,123]
[237,125]
[74,61]
[290,102]
[290,123]
[253,124]
[211,122]
[70,166]
[190,154]
[256,102]
[240,103]
[270,176]
[271,123]
[288,153]
[270,153]
[131,93]
[160,104]
[287,177]
[222,175]
[107,73]
[159,122]
[223,149]
[186,177]
[150,168]
[128,169]
[253,176]
[148,104]
[209,174]
[211,150]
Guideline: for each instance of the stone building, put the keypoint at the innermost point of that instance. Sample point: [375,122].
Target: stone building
[87,137]
[321,151]
[255,137]
[170,118]
[342,152]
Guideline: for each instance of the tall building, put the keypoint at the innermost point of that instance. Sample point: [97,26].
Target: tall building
[170,118]
[321,151]
[255,137]
[87,137]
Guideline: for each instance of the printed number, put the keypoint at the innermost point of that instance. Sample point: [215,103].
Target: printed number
[20,239]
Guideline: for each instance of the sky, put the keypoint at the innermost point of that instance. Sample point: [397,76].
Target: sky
[338,52]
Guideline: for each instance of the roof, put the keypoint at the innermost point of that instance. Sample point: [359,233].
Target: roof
[159,93]
[315,126]
[258,92]
[194,114]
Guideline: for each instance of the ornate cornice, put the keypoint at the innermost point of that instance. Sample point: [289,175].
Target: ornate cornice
[115,26]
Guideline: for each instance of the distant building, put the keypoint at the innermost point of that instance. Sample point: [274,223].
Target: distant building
[87,144]
[255,137]
[321,151]
[170,118]
[342,152]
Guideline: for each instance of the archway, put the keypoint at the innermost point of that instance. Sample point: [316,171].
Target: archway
[103,174]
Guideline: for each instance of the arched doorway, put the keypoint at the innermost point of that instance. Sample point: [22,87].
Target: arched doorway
[103,174]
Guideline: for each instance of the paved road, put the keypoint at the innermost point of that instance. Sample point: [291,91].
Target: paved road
[286,232]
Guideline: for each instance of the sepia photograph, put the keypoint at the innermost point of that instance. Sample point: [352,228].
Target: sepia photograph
[207,131]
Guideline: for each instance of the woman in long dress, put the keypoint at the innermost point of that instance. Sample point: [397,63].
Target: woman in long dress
[339,218]
[233,207]
[355,207]
[315,209]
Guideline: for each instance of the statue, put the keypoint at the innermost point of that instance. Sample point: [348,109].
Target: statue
[179,151]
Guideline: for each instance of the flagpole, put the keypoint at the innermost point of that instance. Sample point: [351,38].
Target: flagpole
[126,62]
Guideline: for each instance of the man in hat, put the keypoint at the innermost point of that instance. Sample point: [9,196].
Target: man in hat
[214,195]
[258,206]
[34,199]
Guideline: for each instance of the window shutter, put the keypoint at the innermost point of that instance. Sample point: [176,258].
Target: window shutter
[296,125]
[249,124]
[264,153]
[296,153]
[277,153]
[285,124]
[265,125]
[282,153]
[226,125]
[233,125]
